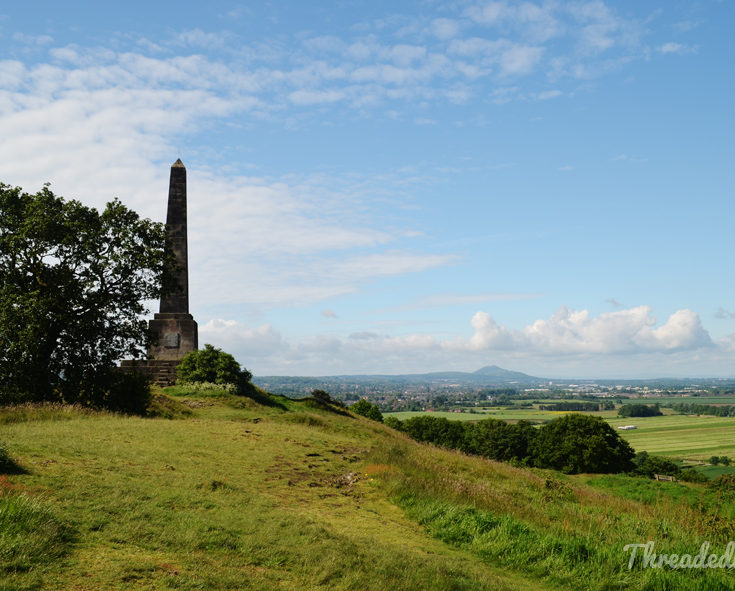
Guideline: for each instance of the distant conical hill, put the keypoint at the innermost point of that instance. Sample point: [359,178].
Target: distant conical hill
[493,371]
[489,376]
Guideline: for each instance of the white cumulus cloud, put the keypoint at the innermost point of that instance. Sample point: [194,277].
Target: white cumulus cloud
[577,331]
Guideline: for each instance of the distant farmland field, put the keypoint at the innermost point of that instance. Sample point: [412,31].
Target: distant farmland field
[681,399]
[681,436]
[530,414]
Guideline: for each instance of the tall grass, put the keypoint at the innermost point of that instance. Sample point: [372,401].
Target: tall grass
[44,411]
[553,527]
[30,534]
[6,462]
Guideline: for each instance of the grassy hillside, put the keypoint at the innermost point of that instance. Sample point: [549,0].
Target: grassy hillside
[233,494]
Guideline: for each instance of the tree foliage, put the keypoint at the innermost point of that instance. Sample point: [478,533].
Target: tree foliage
[73,283]
[499,440]
[723,410]
[393,423]
[325,400]
[214,366]
[639,410]
[436,430]
[574,443]
[725,483]
[366,409]
[581,443]
[648,465]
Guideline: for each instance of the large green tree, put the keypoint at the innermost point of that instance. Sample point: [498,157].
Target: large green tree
[581,443]
[73,286]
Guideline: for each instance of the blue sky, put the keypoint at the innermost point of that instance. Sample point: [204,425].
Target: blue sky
[388,187]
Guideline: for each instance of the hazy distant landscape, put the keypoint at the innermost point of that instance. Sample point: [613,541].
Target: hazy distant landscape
[488,377]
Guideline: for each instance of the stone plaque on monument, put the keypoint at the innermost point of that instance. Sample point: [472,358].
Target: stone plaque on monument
[171,340]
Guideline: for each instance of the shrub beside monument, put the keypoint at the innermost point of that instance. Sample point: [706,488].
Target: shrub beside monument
[214,366]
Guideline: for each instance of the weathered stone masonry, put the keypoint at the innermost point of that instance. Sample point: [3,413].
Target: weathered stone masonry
[174,329]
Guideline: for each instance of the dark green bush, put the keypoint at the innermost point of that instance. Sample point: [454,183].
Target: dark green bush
[393,423]
[119,391]
[325,400]
[574,443]
[691,475]
[639,410]
[724,483]
[724,460]
[648,465]
[499,440]
[436,430]
[128,392]
[215,366]
[366,409]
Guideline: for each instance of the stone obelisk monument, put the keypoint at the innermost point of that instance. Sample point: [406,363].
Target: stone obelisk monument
[173,329]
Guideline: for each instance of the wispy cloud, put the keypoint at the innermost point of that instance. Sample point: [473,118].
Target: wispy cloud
[445,28]
[676,48]
[91,118]
[32,39]
[627,158]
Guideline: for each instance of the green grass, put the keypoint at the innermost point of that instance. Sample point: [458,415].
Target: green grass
[242,495]
[715,471]
[201,390]
[554,528]
[46,411]
[30,537]
[239,497]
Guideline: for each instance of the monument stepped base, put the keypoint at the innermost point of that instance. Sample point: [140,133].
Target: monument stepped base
[161,372]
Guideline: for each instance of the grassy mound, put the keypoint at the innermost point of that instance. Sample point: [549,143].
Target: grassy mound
[265,492]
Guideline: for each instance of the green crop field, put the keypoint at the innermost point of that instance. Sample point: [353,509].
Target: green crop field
[714,471]
[681,436]
[503,414]
[681,400]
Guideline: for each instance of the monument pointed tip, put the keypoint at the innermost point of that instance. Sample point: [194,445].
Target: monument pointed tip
[178,164]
